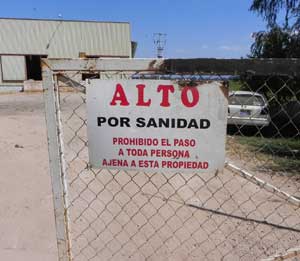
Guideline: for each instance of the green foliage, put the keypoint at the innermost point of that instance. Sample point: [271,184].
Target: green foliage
[276,43]
[235,85]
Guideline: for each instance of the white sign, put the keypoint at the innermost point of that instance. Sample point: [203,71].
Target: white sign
[156,125]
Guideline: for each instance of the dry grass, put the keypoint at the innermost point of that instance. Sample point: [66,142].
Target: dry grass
[277,155]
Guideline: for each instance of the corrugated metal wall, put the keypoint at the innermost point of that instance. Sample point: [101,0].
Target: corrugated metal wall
[64,39]
[13,68]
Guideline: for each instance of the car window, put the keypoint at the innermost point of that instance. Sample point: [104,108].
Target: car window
[246,99]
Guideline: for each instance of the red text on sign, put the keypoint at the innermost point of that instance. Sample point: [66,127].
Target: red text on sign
[189,96]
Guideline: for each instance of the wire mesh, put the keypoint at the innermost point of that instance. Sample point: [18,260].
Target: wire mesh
[134,215]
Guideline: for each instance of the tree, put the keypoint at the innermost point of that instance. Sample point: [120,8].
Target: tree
[280,40]
[276,43]
[274,10]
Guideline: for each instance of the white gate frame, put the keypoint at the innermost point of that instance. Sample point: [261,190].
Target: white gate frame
[56,163]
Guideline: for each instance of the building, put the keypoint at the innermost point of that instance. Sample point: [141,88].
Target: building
[25,41]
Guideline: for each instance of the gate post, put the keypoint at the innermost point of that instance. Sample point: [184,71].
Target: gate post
[56,164]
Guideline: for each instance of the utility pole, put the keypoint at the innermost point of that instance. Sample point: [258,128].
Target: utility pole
[160,40]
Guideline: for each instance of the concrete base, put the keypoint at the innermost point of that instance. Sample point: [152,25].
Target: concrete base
[33,86]
[9,89]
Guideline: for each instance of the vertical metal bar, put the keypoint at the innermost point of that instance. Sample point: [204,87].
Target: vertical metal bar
[56,165]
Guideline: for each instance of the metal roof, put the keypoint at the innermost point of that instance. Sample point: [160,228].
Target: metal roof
[64,38]
[64,20]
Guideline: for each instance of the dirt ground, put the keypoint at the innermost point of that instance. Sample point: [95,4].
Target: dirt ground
[27,229]
[117,215]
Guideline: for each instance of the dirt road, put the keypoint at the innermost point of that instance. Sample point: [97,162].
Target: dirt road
[27,229]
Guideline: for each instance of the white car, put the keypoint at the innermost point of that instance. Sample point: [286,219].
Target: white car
[248,109]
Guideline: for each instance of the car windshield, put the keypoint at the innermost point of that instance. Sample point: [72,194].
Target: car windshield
[246,99]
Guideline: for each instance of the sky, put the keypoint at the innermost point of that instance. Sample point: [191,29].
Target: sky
[193,28]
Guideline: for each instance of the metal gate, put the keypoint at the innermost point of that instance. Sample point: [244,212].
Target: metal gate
[250,211]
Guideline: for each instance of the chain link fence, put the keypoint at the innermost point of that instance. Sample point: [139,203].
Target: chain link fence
[248,212]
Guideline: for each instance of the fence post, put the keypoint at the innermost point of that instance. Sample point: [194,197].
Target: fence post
[56,164]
